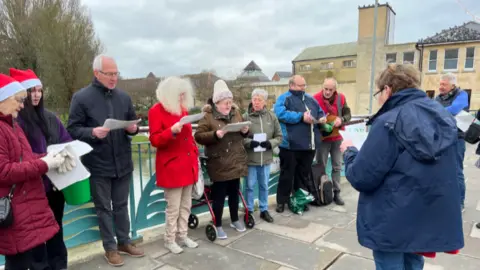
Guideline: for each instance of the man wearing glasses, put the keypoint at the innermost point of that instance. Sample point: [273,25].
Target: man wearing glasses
[110,163]
[335,106]
[298,114]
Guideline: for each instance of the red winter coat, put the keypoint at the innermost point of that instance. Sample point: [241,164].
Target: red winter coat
[34,222]
[177,155]
[332,110]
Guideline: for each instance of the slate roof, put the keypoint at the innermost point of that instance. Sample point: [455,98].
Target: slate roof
[328,51]
[284,74]
[467,32]
[252,72]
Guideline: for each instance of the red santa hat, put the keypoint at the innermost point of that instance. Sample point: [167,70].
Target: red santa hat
[26,77]
[9,87]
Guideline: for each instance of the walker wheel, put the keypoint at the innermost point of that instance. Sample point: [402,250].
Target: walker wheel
[211,232]
[192,221]
[249,221]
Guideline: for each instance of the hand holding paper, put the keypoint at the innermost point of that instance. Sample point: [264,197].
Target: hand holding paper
[69,162]
[113,124]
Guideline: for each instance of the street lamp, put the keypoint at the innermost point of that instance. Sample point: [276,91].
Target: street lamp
[374,46]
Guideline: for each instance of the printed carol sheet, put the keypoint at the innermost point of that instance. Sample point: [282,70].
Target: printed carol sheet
[113,124]
[192,118]
[235,127]
[464,120]
[78,173]
[357,137]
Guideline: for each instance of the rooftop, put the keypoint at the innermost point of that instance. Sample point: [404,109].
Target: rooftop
[252,72]
[467,32]
[327,51]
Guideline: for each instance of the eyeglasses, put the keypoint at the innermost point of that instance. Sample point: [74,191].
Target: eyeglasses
[20,100]
[110,74]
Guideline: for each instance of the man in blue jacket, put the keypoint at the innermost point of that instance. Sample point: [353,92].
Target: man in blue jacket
[298,114]
[455,100]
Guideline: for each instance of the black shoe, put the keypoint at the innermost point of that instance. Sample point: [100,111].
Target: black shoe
[306,208]
[280,208]
[478,225]
[265,215]
[338,200]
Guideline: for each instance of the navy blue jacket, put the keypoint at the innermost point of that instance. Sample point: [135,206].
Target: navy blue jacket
[406,175]
[297,135]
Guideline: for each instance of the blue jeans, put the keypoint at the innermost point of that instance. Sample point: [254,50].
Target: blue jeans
[397,261]
[260,174]
[460,176]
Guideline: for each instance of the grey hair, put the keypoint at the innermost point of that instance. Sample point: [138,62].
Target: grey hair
[260,92]
[450,77]
[331,79]
[98,61]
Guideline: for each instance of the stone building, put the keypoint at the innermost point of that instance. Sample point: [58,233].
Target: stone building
[452,50]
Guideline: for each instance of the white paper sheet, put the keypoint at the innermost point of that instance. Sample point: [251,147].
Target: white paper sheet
[78,173]
[235,127]
[464,120]
[113,124]
[259,137]
[358,138]
[192,118]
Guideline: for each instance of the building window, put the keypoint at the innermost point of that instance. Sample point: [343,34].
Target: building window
[451,59]
[328,65]
[305,67]
[430,93]
[432,61]
[469,93]
[408,58]
[391,58]
[470,55]
[350,63]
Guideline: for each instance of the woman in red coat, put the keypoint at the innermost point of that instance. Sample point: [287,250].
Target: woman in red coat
[177,157]
[21,175]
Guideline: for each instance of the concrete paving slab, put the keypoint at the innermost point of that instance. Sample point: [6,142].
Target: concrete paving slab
[290,253]
[233,235]
[167,267]
[99,263]
[211,256]
[284,268]
[450,262]
[345,241]
[155,249]
[327,217]
[472,240]
[346,262]
[295,227]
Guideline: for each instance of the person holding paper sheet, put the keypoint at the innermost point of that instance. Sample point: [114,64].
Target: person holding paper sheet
[21,173]
[176,158]
[110,163]
[409,193]
[42,129]
[298,114]
[227,159]
[455,100]
[263,122]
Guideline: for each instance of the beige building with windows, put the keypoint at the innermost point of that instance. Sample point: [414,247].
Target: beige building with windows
[452,50]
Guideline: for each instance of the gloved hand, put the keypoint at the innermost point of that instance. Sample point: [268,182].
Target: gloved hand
[53,160]
[254,144]
[69,163]
[266,144]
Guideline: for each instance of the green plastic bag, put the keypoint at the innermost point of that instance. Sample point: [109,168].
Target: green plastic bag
[299,200]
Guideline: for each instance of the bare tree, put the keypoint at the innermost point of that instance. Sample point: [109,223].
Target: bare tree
[55,38]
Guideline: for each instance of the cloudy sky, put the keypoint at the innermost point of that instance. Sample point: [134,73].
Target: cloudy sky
[173,37]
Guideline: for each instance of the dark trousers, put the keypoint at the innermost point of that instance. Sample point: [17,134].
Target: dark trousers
[110,196]
[20,261]
[295,170]
[220,190]
[53,255]
[460,176]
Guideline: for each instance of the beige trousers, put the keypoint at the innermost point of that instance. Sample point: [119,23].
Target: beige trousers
[179,202]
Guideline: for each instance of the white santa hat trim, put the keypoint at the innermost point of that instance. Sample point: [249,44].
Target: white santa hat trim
[10,90]
[31,83]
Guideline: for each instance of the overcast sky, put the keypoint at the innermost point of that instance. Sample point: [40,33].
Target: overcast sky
[174,37]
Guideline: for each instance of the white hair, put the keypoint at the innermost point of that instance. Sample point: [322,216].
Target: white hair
[168,93]
[98,62]
[331,79]
[260,92]
[450,77]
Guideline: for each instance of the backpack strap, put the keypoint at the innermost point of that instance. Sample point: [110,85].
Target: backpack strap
[339,105]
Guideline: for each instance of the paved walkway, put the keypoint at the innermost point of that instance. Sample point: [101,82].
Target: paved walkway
[323,238]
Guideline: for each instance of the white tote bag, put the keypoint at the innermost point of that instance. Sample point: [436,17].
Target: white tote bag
[198,187]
